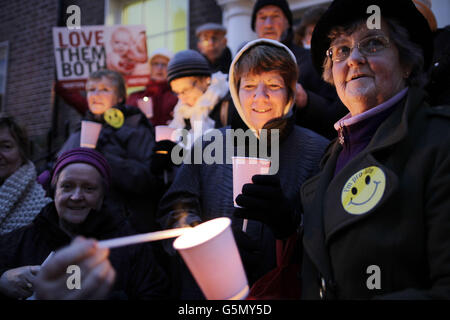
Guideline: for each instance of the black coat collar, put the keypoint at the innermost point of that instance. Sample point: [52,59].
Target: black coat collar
[324,191]
[100,224]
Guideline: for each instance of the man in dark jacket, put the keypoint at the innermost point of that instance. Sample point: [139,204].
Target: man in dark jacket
[212,44]
[318,106]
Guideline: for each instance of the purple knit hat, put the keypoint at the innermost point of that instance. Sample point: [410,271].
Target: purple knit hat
[84,155]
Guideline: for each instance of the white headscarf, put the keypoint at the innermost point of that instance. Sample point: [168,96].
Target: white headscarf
[234,90]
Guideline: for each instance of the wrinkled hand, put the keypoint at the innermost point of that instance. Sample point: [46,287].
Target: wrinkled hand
[18,282]
[263,200]
[97,274]
[161,156]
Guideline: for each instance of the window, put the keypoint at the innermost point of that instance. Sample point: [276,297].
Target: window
[165,20]
[3,71]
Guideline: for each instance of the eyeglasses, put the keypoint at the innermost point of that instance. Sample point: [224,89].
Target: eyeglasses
[367,47]
[159,64]
[212,39]
[185,91]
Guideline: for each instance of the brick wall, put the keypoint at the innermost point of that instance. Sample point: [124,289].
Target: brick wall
[200,12]
[68,119]
[27,26]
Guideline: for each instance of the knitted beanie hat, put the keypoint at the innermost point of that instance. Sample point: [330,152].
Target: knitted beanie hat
[161,52]
[282,4]
[187,63]
[84,155]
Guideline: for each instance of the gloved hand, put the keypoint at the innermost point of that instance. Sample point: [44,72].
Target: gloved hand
[263,200]
[248,249]
[160,159]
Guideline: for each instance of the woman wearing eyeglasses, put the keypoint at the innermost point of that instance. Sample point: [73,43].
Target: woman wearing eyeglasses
[204,103]
[199,92]
[376,222]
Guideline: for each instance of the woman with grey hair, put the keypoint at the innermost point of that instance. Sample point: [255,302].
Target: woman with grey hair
[375,219]
[21,197]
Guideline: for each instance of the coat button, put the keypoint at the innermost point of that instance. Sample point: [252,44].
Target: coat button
[323,288]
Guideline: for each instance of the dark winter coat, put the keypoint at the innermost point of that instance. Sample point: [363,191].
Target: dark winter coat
[439,72]
[128,151]
[164,100]
[405,234]
[222,63]
[138,275]
[201,192]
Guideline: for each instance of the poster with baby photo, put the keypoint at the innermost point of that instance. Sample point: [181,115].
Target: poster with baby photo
[126,52]
[79,52]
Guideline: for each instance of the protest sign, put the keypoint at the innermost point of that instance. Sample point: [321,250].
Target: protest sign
[79,52]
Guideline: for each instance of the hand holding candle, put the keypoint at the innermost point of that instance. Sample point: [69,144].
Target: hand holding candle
[90,132]
[243,170]
[164,133]
[211,254]
[264,200]
[146,106]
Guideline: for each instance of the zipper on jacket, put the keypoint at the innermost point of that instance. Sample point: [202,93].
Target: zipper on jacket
[341,133]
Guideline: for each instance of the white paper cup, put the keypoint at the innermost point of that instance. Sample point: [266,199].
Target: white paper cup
[211,254]
[90,132]
[146,106]
[164,133]
[244,169]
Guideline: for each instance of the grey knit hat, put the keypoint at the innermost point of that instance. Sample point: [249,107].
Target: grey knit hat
[210,27]
[282,4]
[187,63]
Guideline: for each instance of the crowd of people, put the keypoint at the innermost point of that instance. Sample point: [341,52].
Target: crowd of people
[363,179]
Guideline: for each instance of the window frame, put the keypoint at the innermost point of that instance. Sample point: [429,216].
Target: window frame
[114,11]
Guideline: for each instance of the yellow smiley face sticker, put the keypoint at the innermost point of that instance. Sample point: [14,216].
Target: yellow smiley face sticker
[363,190]
[114,117]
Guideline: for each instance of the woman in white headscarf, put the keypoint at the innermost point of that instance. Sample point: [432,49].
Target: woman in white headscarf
[262,84]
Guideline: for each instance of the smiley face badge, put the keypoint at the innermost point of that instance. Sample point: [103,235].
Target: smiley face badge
[114,117]
[363,190]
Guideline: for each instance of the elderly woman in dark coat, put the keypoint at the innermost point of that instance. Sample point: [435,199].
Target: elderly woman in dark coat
[80,180]
[126,140]
[376,218]
[262,84]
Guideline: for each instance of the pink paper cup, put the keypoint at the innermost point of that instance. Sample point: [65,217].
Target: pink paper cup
[146,106]
[244,169]
[164,133]
[211,254]
[90,132]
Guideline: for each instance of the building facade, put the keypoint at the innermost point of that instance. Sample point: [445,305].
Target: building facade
[27,62]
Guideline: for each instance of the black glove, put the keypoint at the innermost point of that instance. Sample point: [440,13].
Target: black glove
[263,200]
[248,250]
[160,159]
